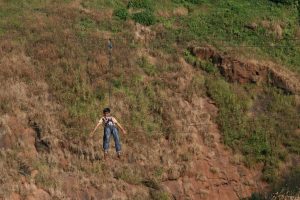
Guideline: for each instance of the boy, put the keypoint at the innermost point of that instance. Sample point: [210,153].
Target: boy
[110,127]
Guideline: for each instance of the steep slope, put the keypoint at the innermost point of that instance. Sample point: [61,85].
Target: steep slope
[55,76]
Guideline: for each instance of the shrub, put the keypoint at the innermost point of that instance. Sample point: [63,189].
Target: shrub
[145,17]
[121,13]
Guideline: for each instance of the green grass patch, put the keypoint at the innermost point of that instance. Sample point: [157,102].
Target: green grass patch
[260,137]
[144,17]
[144,4]
[288,185]
[231,114]
[201,64]
[224,25]
[122,13]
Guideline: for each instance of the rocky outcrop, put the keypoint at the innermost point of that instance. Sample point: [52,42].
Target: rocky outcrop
[240,71]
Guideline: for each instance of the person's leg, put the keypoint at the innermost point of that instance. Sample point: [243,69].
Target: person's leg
[106,137]
[117,140]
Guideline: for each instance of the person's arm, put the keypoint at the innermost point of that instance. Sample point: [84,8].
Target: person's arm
[120,126]
[100,122]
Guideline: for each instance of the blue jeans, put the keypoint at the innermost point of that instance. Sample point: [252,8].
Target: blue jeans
[108,130]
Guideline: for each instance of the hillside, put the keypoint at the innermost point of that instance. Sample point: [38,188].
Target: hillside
[208,92]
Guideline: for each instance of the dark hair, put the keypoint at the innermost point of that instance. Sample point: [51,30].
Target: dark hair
[106,110]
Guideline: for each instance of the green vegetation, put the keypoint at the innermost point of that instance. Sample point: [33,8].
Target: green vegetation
[144,4]
[129,176]
[188,1]
[101,4]
[66,49]
[261,137]
[289,186]
[227,25]
[121,13]
[288,2]
[204,65]
[145,17]
[45,177]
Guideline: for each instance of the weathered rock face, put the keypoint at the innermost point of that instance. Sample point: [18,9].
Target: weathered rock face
[236,70]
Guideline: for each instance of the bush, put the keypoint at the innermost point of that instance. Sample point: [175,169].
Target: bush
[121,13]
[145,17]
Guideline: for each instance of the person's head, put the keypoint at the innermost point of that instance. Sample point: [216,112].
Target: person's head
[106,112]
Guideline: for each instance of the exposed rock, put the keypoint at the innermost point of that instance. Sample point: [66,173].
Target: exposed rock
[239,71]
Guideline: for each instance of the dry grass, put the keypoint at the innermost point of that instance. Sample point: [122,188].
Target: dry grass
[54,73]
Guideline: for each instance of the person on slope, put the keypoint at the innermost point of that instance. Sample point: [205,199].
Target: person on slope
[110,125]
